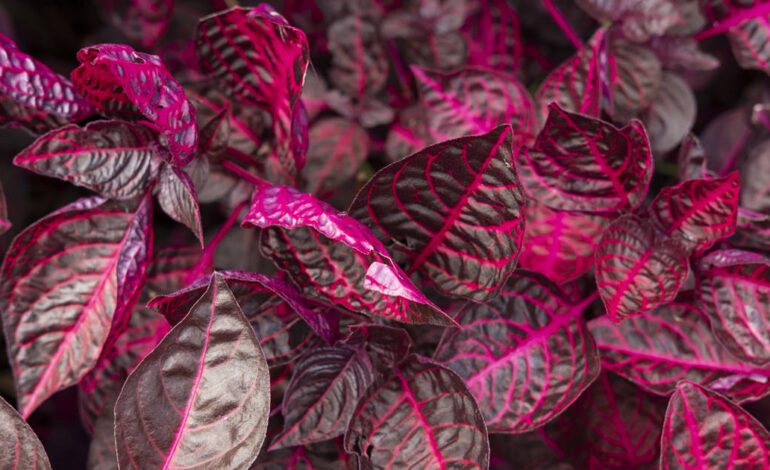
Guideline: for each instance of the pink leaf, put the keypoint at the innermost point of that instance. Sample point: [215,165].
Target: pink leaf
[22,449]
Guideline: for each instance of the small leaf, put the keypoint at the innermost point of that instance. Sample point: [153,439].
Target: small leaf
[22,449]
[691,161]
[750,42]
[671,115]
[178,198]
[635,79]
[360,64]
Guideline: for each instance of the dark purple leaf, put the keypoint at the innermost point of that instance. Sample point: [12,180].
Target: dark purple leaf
[691,161]
[386,346]
[142,21]
[675,343]
[755,188]
[66,282]
[202,397]
[580,163]
[671,115]
[455,209]
[359,61]
[117,159]
[338,147]
[637,20]
[422,416]
[682,54]
[752,231]
[119,81]
[177,197]
[637,270]
[530,325]
[170,268]
[635,78]
[704,430]
[22,449]
[214,137]
[282,334]
[102,454]
[493,37]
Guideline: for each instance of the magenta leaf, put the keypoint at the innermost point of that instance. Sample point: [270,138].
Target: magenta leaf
[178,198]
[67,281]
[636,270]
[529,325]
[262,62]
[119,81]
[34,96]
[455,209]
[493,37]
[338,147]
[638,20]
[472,102]
[421,416]
[142,21]
[736,296]
[201,398]
[671,115]
[675,343]
[703,429]
[117,159]
[698,212]
[585,164]
[22,449]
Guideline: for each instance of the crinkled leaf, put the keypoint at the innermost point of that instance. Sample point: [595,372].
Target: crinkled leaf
[637,19]
[636,270]
[582,163]
[177,197]
[117,159]
[675,343]
[704,430]
[530,325]
[202,397]
[359,62]
[421,416]
[22,449]
[67,280]
[752,231]
[119,81]
[493,37]
[142,21]
[671,114]
[338,147]
[455,209]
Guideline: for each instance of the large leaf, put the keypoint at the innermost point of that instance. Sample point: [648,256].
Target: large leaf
[704,430]
[675,343]
[455,209]
[179,199]
[638,20]
[119,81]
[201,398]
[736,297]
[529,326]
[582,163]
[22,449]
[34,96]
[422,416]
[67,280]
[637,270]
[142,21]
[117,159]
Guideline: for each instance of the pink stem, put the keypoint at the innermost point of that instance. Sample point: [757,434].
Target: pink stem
[243,174]
[732,21]
[563,24]
[207,257]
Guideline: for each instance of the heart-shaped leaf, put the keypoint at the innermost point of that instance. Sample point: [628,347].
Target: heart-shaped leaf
[421,416]
[529,325]
[704,430]
[142,21]
[636,270]
[119,81]
[580,163]
[338,147]
[455,209]
[117,159]
[66,282]
[178,198]
[22,449]
[202,397]
[675,343]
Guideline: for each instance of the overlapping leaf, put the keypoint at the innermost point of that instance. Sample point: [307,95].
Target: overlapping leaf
[493,37]
[338,147]
[458,212]
[638,20]
[755,187]
[691,160]
[121,82]
[637,270]
[635,78]
[67,281]
[750,37]
[359,63]
[22,449]
[421,416]
[179,199]
[675,343]
[585,164]
[142,21]
[201,398]
[530,325]
[672,113]
[705,430]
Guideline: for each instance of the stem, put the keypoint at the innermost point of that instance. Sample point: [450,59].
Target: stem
[563,24]
[728,23]
[243,174]
[207,257]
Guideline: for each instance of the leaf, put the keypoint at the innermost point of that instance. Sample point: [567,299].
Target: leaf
[637,271]
[494,38]
[177,197]
[638,20]
[33,95]
[142,21]
[559,244]
[215,136]
[117,159]
[360,64]
[421,416]
[325,388]
[338,147]
[736,297]
[675,343]
[755,193]
[635,77]
[202,397]
[698,212]
[671,114]
[691,161]
[702,428]
[121,82]
[455,209]
[261,61]
[102,454]
[67,280]
[530,326]
[22,449]
[682,53]
[473,101]
[750,42]
[580,163]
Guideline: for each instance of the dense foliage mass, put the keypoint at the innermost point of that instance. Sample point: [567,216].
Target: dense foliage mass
[429,234]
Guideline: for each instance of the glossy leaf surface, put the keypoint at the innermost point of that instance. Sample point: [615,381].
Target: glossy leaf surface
[22,449]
